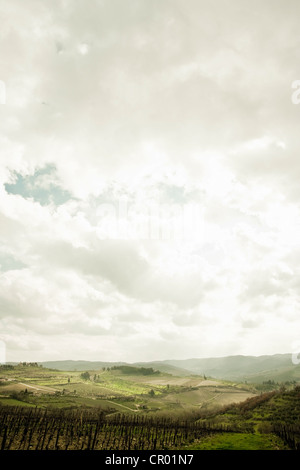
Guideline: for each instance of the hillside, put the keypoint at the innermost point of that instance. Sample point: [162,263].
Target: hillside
[178,412]
[124,388]
[71,365]
[243,368]
[270,420]
[211,413]
[253,369]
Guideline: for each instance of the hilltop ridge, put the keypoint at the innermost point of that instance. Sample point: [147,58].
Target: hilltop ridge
[257,369]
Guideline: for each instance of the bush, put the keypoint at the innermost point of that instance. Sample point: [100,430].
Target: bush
[265,428]
[85,376]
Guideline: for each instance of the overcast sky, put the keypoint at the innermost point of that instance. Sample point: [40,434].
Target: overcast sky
[149,179]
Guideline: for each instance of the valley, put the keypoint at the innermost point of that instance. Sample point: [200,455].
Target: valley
[137,406]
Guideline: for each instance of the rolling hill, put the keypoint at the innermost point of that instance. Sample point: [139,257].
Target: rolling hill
[277,367]
[255,369]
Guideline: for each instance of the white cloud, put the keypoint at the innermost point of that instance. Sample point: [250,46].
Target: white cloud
[162,106]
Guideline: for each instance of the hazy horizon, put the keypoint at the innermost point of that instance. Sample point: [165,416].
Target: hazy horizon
[159,360]
[149,179]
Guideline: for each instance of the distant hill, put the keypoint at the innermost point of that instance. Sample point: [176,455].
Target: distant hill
[165,367]
[70,365]
[79,365]
[278,367]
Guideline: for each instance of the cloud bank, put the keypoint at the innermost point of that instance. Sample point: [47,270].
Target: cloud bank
[149,196]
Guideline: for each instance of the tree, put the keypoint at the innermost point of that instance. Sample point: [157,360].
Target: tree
[85,376]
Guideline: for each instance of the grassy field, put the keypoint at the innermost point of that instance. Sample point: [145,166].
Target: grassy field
[239,441]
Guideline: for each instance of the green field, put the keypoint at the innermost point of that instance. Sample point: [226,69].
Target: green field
[239,441]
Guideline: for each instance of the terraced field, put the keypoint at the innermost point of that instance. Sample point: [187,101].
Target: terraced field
[112,389]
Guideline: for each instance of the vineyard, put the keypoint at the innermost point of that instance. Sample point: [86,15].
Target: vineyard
[38,429]
[128,408]
[289,433]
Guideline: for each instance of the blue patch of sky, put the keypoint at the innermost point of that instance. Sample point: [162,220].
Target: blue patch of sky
[41,187]
[9,263]
[172,193]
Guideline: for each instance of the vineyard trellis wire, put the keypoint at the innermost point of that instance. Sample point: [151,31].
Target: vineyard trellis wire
[44,429]
[289,433]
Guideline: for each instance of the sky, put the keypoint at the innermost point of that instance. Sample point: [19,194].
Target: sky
[149,179]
